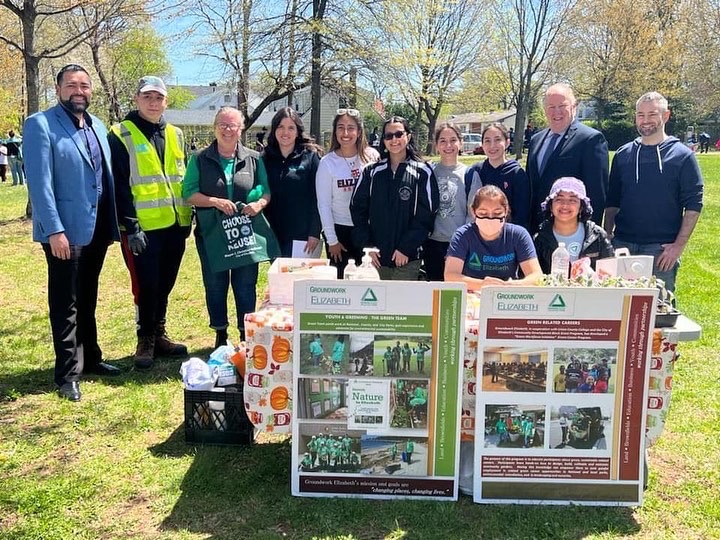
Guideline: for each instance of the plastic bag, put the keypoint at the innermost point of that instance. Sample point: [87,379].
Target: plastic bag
[197,375]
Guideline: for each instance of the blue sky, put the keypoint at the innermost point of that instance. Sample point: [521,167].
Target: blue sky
[189,68]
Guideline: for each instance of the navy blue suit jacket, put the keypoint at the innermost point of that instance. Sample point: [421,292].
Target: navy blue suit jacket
[61,178]
[583,153]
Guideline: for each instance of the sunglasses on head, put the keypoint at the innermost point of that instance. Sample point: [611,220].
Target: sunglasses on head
[349,112]
[397,135]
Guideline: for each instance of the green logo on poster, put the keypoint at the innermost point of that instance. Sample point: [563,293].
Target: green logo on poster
[557,302]
[369,296]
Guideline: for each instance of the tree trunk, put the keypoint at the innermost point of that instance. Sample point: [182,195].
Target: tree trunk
[315,86]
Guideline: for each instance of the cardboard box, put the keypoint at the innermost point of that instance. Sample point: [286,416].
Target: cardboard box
[284,272]
[625,265]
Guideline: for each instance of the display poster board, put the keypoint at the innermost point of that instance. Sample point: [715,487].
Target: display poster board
[561,400]
[377,371]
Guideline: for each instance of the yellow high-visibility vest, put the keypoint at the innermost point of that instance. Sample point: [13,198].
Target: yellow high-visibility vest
[157,195]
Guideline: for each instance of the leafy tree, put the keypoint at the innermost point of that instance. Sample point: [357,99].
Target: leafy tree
[122,54]
[427,47]
[44,36]
[529,33]
[179,98]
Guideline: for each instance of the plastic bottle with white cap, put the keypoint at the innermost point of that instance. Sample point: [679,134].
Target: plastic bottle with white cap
[366,270]
[560,266]
[350,270]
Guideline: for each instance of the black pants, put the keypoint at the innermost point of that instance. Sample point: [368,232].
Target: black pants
[72,299]
[434,253]
[344,236]
[153,274]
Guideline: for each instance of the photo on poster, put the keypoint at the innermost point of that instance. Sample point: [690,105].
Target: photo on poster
[370,403]
[580,428]
[402,355]
[514,369]
[321,399]
[410,399]
[514,426]
[584,370]
[324,448]
[361,354]
[324,354]
[394,456]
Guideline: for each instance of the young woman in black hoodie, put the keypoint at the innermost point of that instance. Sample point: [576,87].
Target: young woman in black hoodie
[291,159]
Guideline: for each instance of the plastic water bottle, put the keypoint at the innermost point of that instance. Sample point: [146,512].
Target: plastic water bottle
[560,266]
[350,270]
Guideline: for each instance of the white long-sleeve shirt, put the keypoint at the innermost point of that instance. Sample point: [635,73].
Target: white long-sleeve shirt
[334,183]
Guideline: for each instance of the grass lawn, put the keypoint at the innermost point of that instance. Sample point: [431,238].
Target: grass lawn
[116,465]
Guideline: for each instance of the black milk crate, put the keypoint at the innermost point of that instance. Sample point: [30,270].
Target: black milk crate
[217,417]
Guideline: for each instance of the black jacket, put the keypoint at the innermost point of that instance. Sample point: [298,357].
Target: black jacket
[155,133]
[293,214]
[394,211]
[596,244]
[212,175]
[583,153]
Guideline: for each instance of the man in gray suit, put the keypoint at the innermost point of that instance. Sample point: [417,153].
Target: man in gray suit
[566,148]
[69,176]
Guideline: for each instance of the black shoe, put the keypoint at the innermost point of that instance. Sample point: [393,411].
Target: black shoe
[108,370]
[70,391]
[221,337]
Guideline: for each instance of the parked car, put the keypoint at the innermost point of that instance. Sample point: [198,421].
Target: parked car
[472,143]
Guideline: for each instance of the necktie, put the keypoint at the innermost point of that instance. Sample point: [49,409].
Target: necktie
[549,149]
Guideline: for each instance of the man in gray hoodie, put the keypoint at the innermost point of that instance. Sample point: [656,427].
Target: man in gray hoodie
[656,191]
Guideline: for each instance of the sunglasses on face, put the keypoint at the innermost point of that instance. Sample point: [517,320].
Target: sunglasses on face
[349,112]
[396,135]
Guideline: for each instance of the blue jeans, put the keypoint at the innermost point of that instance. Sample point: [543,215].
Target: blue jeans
[243,280]
[668,276]
[16,170]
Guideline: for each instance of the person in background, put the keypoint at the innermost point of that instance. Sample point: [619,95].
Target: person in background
[337,353]
[71,187]
[15,158]
[291,160]
[3,161]
[394,204]
[567,219]
[566,147]
[497,170]
[336,177]
[222,177]
[452,210]
[704,142]
[656,191]
[148,157]
[490,251]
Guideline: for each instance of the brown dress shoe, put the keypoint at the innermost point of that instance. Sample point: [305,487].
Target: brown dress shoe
[145,352]
[164,346]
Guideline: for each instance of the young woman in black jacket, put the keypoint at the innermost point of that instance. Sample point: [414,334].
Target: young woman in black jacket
[567,219]
[291,160]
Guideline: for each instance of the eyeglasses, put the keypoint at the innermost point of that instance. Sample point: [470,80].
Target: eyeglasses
[496,218]
[397,135]
[349,112]
[231,127]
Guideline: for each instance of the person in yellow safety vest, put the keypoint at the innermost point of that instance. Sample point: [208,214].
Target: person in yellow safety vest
[148,159]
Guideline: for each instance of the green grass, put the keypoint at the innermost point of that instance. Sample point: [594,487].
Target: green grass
[116,465]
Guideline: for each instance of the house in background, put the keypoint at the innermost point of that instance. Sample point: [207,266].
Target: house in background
[476,122]
[197,119]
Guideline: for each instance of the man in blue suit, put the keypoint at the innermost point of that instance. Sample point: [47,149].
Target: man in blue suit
[69,176]
[566,148]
